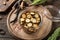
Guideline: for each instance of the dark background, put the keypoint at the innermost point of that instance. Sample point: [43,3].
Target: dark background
[4,34]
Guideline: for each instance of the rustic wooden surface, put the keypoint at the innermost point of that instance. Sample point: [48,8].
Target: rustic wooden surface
[5,4]
[7,36]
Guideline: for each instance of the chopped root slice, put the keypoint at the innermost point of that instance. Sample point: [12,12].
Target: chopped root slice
[25,26]
[32,13]
[22,19]
[38,19]
[23,15]
[21,23]
[27,20]
[28,13]
[36,15]
[33,20]
[31,30]
[29,16]
[29,24]
[35,26]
